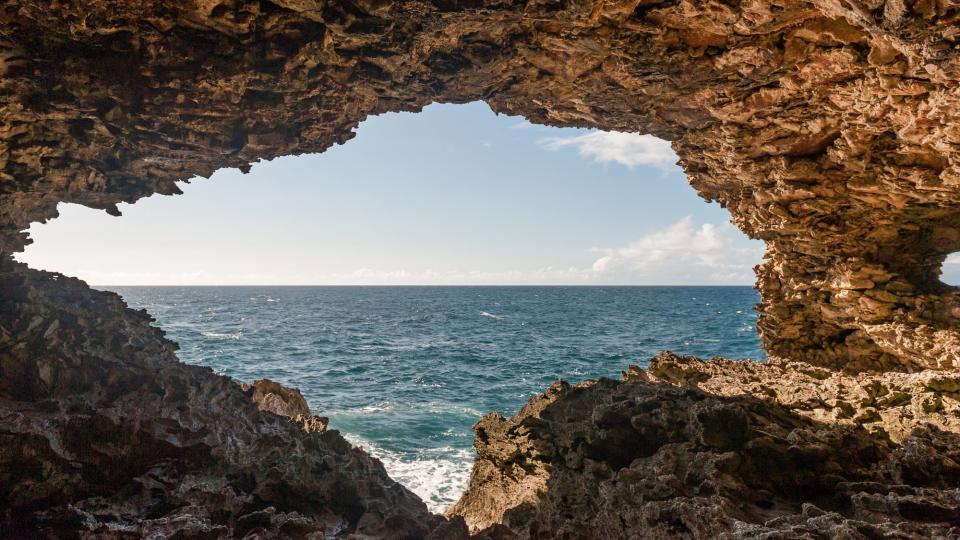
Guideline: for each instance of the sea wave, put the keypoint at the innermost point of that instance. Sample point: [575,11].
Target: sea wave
[421,407]
[437,475]
[492,315]
[218,335]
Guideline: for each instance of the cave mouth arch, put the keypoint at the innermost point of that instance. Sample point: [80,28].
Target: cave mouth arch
[827,128]
[768,108]
[373,377]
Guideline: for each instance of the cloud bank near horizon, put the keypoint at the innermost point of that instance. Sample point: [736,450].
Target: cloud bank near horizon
[682,253]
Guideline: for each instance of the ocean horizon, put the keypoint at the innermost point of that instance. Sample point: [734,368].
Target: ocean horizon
[404,371]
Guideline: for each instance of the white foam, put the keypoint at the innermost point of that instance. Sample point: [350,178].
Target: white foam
[376,407]
[429,407]
[492,315]
[437,475]
[217,335]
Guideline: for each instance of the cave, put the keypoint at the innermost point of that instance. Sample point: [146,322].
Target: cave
[828,129]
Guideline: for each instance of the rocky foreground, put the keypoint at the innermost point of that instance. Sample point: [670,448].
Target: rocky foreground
[106,436]
[693,449]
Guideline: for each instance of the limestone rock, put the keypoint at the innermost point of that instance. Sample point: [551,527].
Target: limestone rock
[278,399]
[893,404]
[640,459]
[828,128]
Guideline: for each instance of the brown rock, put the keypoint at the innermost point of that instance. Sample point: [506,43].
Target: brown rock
[105,430]
[828,129]
[636,459]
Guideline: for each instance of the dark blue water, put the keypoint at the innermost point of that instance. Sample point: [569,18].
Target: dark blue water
[405,371]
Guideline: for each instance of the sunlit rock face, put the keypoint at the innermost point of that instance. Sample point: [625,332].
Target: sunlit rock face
[828,129]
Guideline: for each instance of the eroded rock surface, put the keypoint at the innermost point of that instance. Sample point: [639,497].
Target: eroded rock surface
[639,459]
[889,404]
[828,128]
[106,434]
[278,399]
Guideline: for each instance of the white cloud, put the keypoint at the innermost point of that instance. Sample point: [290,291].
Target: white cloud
[628,149]
[953,258]
[681,253]
[523,124]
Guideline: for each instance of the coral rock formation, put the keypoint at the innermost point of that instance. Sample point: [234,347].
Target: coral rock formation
[828,128]
[278,399]
[888,404]
[639,459]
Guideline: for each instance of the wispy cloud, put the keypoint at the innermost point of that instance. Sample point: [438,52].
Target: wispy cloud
[628,149]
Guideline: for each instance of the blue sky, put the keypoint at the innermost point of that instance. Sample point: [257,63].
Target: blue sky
[452,195]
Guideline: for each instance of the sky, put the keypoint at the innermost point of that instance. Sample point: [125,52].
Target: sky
[454,195]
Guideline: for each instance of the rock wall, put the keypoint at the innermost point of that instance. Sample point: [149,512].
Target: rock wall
[828,128]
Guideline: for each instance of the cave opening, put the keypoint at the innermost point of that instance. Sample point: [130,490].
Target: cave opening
[829,130]
[428,272]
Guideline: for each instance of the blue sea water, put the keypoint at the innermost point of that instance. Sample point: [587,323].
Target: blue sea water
[405,371]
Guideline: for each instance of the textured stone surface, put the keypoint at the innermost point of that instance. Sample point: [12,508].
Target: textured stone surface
[889,404]
[828,128]
[638,459]
[104,433]
[278,399]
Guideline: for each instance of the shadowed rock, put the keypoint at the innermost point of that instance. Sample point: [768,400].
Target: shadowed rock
[106,434]
[638,459]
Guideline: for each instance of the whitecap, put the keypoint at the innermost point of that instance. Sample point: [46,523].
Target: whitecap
[376,407]
[492,315]
[429,407]
[218,335]
[437,475]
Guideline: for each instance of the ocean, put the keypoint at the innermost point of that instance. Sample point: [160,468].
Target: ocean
[404,372]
